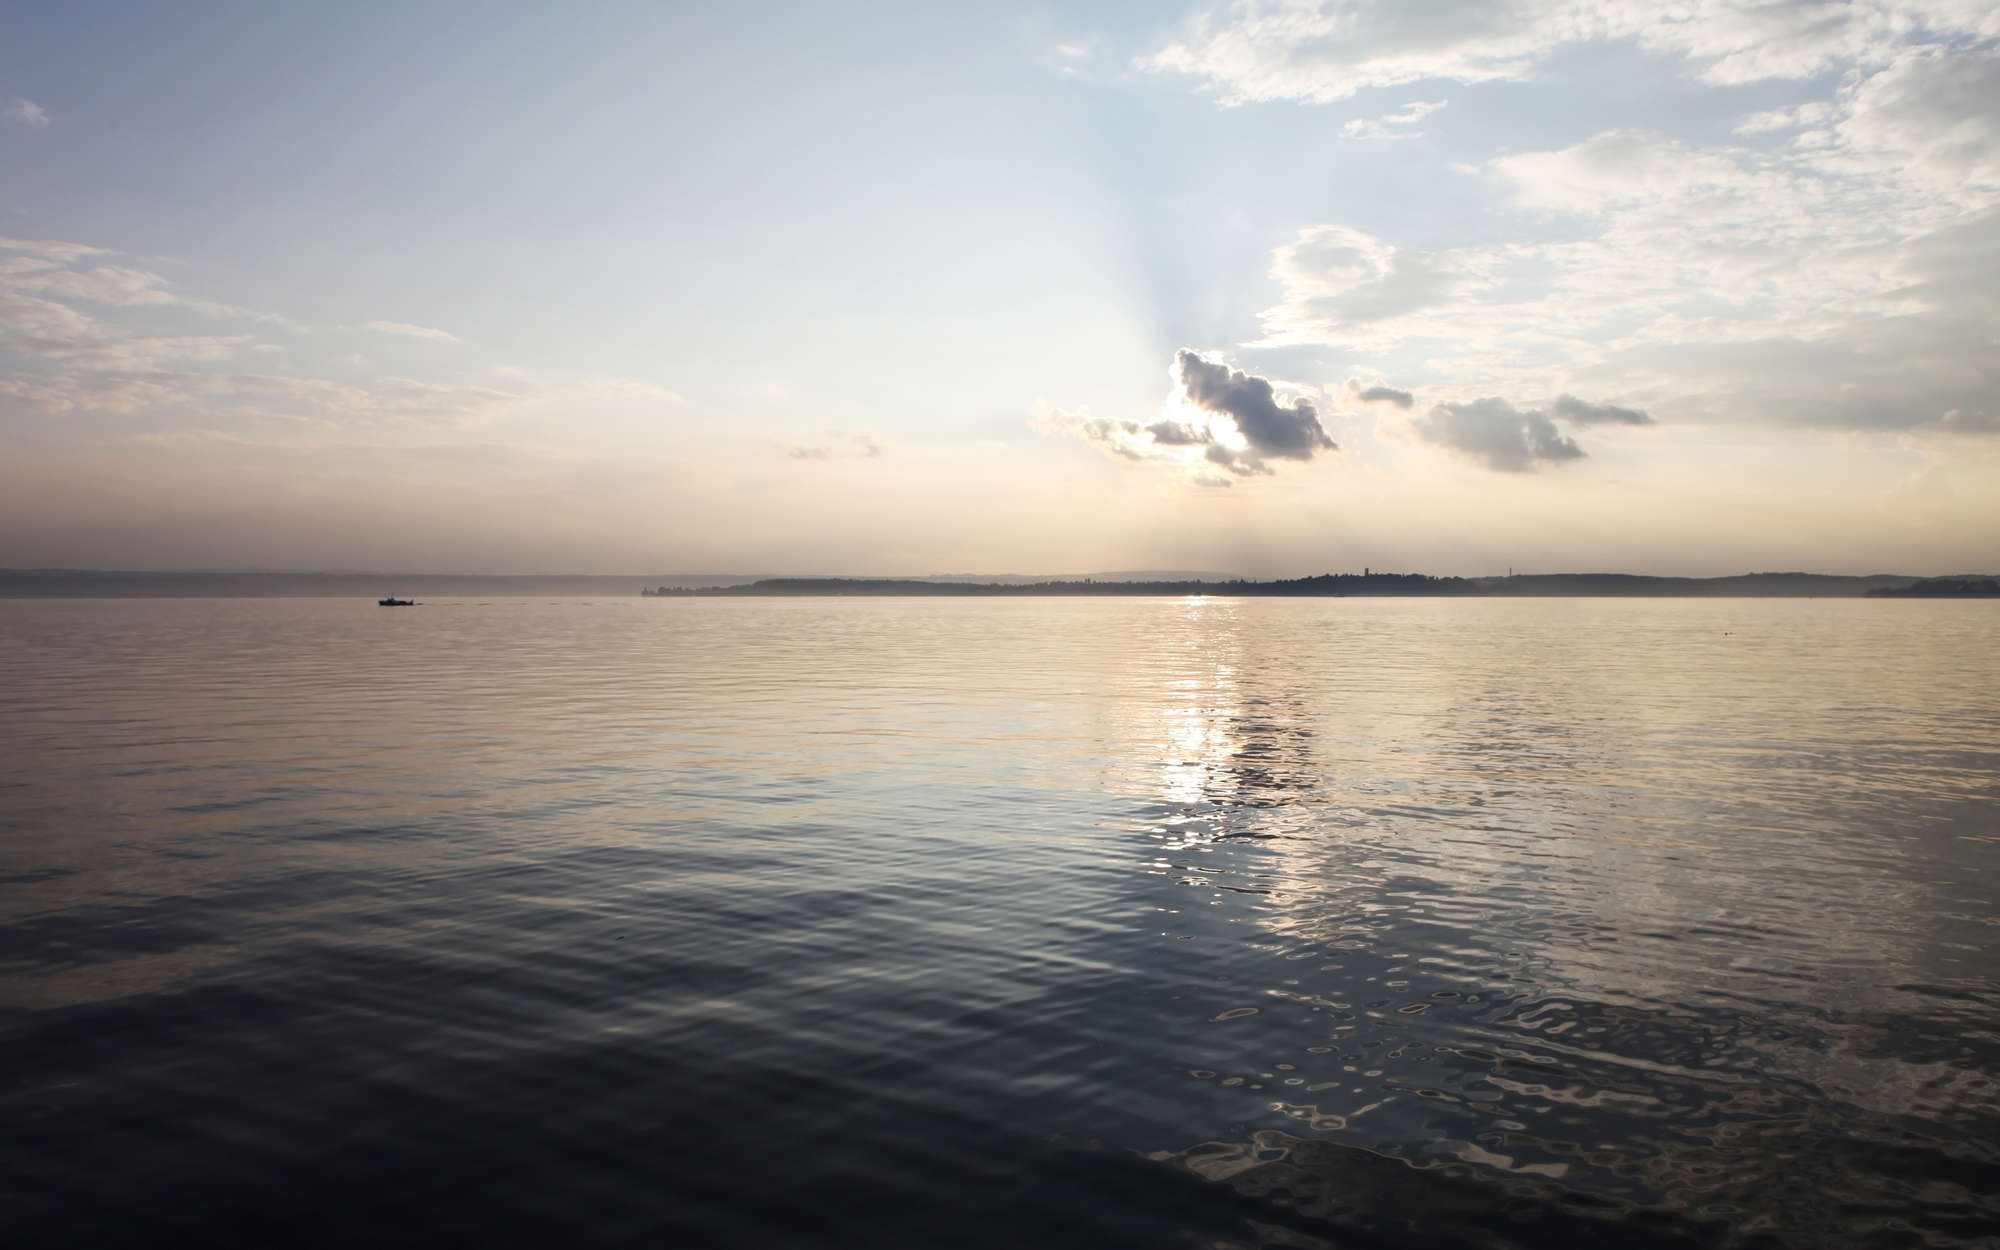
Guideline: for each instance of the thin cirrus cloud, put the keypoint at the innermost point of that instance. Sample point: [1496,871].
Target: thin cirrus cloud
[1321,51]
[406,330]
[1399,124]
[840,445]
[84,328]
[26,112]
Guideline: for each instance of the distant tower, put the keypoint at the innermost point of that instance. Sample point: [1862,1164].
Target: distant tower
[1364,570]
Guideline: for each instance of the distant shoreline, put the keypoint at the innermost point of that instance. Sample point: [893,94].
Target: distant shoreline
[1338,585]
[100,584]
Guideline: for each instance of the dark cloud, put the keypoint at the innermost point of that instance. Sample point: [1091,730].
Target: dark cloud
[1243,463]
[1573,410]
[1386,395]
[1176,434]
[1239,428]
[1285,431]
[1498,435]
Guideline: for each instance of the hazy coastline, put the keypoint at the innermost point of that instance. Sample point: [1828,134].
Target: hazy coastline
[113,584]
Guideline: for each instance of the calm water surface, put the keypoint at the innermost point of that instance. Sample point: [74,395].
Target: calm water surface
[1000,922]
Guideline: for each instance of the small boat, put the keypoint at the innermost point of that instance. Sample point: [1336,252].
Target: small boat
[393,602]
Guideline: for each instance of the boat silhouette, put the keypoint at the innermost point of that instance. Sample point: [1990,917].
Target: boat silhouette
[393,602]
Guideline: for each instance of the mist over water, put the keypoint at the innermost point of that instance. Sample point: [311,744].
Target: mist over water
[796,922]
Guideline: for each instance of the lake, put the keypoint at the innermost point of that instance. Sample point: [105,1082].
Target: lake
[1082,922]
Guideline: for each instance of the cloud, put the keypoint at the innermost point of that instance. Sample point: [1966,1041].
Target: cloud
[1177,434]
[264,397]
[52,269]
[1325,50]
[1811,113]
[1286,431]
[110,360]
[1932,116]
[1070,60]
[1841,273]
[120,394]
[124,353]
[1380,394]
[105,284]
[52,331]
[1339,281]
[49,249]
[594,391]
[1322,52]
[844,445]
[27,319]
[1128,440]
[1394,125]
[1498,435]
[1241,461]
[1218,423]
[1573,410]
[27,112]
[1957,421]
[409,331]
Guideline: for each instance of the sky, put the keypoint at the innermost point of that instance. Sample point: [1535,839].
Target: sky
[1269,288]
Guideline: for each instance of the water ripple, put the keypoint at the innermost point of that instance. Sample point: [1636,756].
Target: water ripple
[1111,922]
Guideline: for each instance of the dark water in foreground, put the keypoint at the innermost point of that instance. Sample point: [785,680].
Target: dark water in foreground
[1087,923]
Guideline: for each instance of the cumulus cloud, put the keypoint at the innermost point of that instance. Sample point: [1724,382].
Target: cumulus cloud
[1286,431]
[1573,410]
[1177,434]
[1498,435]
[1220,423]
[26,112]
[410,331]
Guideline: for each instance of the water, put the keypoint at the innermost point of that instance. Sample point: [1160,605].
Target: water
[1000,922]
